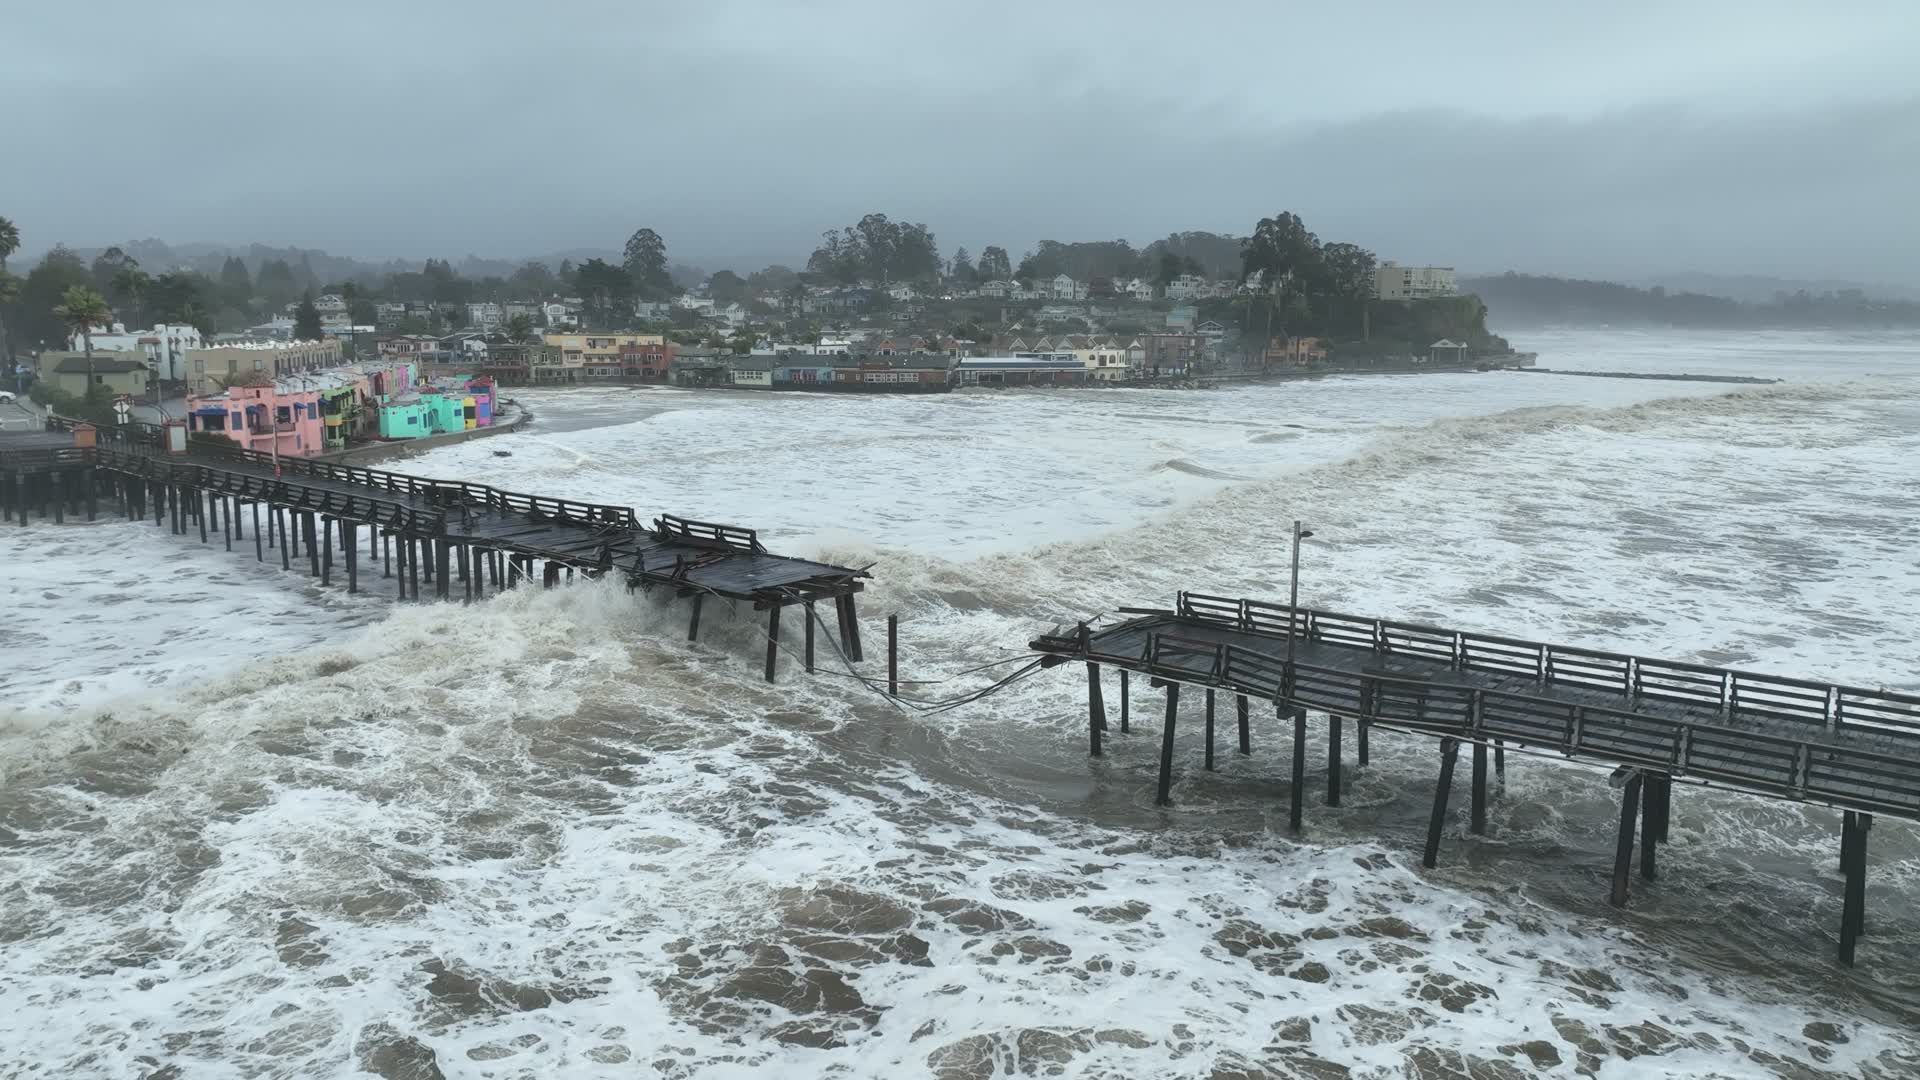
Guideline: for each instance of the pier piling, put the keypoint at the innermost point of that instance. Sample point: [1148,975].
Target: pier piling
[1479,794]
[1334,725]
[1623,851]
[893,655]
[1246,726]
[1209,765]
[773,639]
[1125,696]
[1296,813]
[1449,755]
[1096,709]
[807,651]
[1166,745]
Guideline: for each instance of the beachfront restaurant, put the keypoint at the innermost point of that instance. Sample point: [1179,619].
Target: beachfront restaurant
[1020,371]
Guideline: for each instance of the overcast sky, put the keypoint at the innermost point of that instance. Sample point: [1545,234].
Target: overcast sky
[1622,138]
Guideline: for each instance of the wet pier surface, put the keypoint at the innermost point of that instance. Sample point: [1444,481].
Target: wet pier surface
[1658,721]
[448,531]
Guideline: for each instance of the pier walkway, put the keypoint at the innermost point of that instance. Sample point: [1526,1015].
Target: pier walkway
[452,531]
[1658,721]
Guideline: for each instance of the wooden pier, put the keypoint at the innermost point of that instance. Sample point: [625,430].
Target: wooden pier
[1657,721]
[448,533]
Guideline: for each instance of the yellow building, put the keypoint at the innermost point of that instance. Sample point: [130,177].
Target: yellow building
[604,355]
[208,370]
[112,371]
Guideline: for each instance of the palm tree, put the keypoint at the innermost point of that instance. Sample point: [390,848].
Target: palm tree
[9,240]
[82,309]
[520,329]
[9,292]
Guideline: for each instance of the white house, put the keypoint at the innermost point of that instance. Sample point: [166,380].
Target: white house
[1189,287]
[902,291]
[1105,362]
[1138,289]
[997,290]
[560,314]
[485,315]
[1062,287]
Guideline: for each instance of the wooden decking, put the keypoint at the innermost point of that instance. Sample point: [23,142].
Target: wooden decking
[1659,721]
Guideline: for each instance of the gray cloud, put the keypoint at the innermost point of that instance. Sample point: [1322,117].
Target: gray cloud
[1620,139]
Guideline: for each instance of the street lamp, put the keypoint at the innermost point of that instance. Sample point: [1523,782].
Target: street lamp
[1293,592]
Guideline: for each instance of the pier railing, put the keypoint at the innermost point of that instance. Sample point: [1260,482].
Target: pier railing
[1728,694]
[1798,768]
[138,437]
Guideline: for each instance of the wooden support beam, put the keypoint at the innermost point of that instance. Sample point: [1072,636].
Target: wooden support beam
[1500,766]
[1246,726]
[893,655]
[91,486]
[441,582]
[1479,794]
[1437,821]
[400,578]
[466,573]
[326,552]
[1297,797]
[773,638]
[1334,724]
[1125,698]
[850,634]
[1623,850]
[58,481]
[1856,888]
[1362,754]
[1209,730]
[259,552]
[309,536]
[200,516]
[1166,746]
[411,556]
[807,617]
[1650,824]
[349,543]
[693,627]
[1096,710]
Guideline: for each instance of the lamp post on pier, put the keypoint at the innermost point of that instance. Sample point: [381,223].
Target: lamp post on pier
[1293,592]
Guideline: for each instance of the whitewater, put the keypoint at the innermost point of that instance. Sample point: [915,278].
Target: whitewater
[250,827]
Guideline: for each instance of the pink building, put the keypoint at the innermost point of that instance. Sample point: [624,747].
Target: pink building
[305,414]
[256,416]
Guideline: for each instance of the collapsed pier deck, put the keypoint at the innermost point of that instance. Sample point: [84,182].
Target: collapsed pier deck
[456,531]
[1658,721]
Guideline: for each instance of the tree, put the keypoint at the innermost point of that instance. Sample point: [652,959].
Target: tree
[727,287]
[9,240]
[606,287]
[34,323]
[1169,271]
[961,269]
[1346,274]
[82,309]
[532,281]
[108,265]
[306,319]
[877,249]
[1282,253]
[275,285]
[774,279]
[129,287]
[645,262]
[9,293]
[520,329]
[995,265]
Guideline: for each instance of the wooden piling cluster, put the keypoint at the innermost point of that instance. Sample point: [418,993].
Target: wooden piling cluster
[48,474]
[443,533]
[1659,721]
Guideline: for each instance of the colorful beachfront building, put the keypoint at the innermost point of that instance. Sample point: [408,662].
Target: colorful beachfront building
[301,415]
[452,403]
